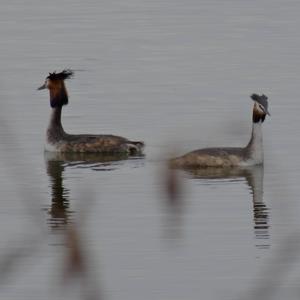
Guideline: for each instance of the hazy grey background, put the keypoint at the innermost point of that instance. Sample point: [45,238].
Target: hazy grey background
[178,75]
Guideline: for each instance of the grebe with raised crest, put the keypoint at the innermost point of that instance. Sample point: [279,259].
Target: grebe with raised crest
[250,155]
[58,140]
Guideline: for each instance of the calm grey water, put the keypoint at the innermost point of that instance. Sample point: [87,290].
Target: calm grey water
[178,75]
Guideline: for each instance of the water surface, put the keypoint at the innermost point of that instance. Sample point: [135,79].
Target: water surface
[177,75]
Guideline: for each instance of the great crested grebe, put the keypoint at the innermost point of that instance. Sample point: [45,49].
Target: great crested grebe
[60,141]
[252,154]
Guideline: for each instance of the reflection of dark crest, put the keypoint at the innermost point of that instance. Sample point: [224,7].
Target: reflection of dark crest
[254,179]
[57,163]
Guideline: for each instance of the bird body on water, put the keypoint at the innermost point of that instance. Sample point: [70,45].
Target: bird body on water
[57,140]
[250,155]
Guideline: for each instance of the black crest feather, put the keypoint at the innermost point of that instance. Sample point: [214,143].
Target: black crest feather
[263,100]
[65,74]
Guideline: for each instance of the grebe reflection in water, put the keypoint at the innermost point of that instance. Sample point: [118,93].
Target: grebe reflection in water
[56,165]
[253,176]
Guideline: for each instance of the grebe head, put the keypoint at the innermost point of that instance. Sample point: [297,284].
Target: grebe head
[55,84]
[260,108]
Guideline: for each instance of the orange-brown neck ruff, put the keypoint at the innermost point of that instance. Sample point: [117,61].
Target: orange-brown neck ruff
[258,115]
[58,93]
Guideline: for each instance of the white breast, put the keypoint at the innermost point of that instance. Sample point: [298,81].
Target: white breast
[50,147]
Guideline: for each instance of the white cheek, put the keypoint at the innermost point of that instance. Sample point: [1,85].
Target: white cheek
[47,84]
[261,110]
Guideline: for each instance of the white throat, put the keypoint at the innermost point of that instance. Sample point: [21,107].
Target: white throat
[255,146]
